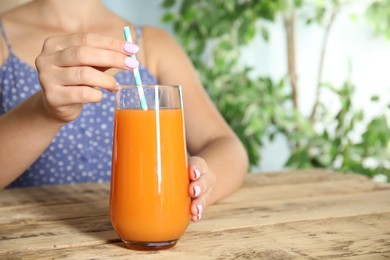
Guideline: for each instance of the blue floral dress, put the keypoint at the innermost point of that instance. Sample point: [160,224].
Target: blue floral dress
[81,151]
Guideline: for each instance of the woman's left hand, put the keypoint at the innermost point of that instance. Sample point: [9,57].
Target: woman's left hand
[201,186]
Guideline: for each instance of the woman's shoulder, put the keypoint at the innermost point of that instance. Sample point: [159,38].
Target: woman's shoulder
[155,31]
[156,44]
[156,35]
[159,40]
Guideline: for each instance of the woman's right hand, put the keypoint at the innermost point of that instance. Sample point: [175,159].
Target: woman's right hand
[71,71]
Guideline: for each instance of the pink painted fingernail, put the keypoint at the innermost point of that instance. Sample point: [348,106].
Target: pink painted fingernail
[200,209]
[197,173]
[199,217]
[196,190]
[131,63]
[130,48]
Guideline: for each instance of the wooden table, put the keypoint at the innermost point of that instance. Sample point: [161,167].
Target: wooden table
[298,214]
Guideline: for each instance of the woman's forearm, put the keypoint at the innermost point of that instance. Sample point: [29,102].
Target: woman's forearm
[227,158]
[25,132]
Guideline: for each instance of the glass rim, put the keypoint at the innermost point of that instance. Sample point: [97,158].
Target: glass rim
[147,86]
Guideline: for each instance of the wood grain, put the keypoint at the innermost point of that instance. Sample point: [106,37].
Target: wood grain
[311,214]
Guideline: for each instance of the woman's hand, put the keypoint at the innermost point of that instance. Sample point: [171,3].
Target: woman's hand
[201,186]
[71,71]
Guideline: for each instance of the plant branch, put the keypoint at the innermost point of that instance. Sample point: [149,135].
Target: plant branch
[321,63]
[290,27]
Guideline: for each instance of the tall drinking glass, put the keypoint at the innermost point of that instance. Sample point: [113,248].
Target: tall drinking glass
[149,202]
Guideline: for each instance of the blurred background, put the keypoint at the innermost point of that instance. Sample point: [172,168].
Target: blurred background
[302,83]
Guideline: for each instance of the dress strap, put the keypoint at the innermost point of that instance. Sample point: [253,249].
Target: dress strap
[4,34]
[138,34]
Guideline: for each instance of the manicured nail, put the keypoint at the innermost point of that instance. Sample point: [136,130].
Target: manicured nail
[131,63]
[130,48]
[197,173]
[196,191]
[199,217]
[200,209]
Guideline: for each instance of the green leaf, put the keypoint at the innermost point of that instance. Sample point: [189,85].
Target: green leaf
[264,33]
[168,17]
[168,3]
[375,98]
[298,3]
[299,158]
[360,115]
[378,16]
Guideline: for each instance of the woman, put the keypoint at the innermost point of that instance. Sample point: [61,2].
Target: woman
[56,112]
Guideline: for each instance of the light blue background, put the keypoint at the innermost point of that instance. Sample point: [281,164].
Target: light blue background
[140,12]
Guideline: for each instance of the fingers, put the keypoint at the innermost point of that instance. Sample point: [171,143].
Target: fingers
[91,56]
[201,186]
[73,76]
[70,69]
[62,42]
[196,166]
[72,95]
[196,211]
[83,52]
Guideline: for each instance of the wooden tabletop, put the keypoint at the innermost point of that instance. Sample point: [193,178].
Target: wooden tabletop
[285,215]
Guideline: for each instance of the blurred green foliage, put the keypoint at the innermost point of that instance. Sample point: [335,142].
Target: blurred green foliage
[213,34]
[378,15]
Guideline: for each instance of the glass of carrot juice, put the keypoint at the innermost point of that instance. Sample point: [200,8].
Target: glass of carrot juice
[149,199]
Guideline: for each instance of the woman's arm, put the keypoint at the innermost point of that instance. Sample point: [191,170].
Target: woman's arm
[25,132]
[70,69]
[217,152]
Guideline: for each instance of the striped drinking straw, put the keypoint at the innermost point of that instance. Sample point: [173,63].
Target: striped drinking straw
[138,82]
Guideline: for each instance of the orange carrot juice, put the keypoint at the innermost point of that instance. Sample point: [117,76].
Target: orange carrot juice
[149,188]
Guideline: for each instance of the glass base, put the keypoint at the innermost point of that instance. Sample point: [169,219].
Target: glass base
[149,246]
